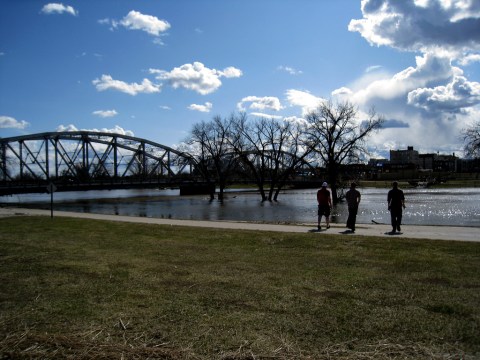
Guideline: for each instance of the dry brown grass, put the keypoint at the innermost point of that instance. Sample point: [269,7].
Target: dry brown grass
[80,289]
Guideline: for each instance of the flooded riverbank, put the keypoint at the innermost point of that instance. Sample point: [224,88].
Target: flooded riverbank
[456,207]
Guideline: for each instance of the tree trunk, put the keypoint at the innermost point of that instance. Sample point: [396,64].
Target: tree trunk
[270,192]
[279,187]
[220,192]
[212,191]
[262,192]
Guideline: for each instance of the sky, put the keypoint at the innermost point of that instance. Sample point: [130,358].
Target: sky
[154,68]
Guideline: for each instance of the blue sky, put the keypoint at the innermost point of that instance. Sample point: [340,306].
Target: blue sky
[153,68]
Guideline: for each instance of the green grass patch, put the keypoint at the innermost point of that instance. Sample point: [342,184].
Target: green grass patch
[73,288]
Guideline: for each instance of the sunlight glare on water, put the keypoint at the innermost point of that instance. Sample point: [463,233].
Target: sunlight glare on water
[459,207]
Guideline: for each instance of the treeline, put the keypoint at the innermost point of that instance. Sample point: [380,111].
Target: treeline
[270,151]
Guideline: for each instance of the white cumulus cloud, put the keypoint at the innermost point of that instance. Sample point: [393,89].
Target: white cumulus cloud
[303,99]
[135,20]
[470,59]
[106,82]
[56,8]
[202,108]
[260,103]
[439,26]
[105,113]
[116,130]
[231,72]
[429,70]
[196,77]
[452,97]
[7,122]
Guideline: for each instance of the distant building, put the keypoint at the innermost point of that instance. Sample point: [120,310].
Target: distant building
[427,161]
[405,157]
[431,161]
[445,163]
[378,163]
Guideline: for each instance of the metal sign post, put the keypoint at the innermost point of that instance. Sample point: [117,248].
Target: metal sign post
[51,188]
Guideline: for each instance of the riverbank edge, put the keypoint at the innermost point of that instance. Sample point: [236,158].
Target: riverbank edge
[453,233]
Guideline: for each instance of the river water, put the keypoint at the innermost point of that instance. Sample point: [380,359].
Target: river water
[456,207]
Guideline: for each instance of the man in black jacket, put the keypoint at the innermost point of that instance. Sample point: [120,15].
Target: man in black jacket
[353,200]
[396,203]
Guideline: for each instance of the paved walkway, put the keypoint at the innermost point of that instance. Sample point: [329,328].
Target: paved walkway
[408,231]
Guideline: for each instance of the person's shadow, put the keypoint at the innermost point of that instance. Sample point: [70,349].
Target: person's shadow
[323,229]
[393,233]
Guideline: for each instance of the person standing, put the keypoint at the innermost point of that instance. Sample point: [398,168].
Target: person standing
[353,200]
[324,205]
[396,204]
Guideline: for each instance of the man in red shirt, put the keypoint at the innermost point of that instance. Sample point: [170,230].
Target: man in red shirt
[324,205]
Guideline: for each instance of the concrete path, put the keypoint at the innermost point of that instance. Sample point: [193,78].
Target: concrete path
[408,231]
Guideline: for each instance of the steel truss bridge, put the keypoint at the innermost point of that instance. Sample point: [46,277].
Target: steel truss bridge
[85,160]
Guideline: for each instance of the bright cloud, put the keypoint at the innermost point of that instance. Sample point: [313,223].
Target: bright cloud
[116,130]
[64,128]
[303,99]
[196,77]
[7,122]
[453,97]
[434,96]
[439,26]
[266,116]
[106,82]
[429,98]
[343,91]
[260,103]
[135,20]
[202,108]
[429,70]
[470,59]
[56,8]
[105,113]
[231,72]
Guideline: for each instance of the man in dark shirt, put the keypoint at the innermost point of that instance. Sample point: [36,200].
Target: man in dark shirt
[324,205]
[353,200]
[396,202]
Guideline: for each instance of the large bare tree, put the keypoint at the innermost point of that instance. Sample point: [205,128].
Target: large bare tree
[270,149]
[471,136]
[337,135]
[214,152]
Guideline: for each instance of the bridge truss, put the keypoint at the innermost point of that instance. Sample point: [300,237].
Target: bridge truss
[85,157]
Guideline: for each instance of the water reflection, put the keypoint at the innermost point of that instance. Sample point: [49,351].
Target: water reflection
[459,207]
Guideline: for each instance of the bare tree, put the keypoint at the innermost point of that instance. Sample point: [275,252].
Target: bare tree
[214,151]
[270,149]
[248,148]
[286,141]
[471,136]
[338,137]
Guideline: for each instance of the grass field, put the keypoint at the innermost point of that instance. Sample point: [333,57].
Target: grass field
[84,289]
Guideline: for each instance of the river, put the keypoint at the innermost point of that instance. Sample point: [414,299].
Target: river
[456,207]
